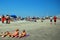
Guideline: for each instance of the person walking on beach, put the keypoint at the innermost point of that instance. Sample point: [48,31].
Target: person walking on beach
[55,18]
[51,18]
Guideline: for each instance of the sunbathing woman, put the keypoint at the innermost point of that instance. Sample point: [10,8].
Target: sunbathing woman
[16,33]
[7,33]
[22,34]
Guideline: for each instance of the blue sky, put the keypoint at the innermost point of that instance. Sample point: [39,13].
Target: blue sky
[30,7]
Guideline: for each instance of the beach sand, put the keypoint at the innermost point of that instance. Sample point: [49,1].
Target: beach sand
[36,30]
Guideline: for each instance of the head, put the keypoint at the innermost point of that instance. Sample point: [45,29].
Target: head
[7,31]
[17,29]
[23,30]
[54,16]
[7,15]
[3,16]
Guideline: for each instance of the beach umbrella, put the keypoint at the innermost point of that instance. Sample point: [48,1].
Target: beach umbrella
[14,16]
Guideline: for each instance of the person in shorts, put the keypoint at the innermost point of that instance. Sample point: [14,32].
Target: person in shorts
[51,18]
[55,18]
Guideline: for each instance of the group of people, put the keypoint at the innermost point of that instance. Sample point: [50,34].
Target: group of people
[14,34]
[53,18]
[5,18]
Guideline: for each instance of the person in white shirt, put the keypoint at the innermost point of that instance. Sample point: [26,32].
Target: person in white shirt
[51,18]
[7,19]
[0,18]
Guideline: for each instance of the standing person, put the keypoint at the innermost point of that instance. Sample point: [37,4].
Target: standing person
[7,18]
[3,18]
[55,18]
[51,18]
[0,18]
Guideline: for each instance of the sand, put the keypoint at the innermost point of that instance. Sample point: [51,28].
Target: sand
[37,30]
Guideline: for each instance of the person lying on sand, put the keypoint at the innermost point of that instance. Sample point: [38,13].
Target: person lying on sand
[22,34]
[7,33]
[16,33]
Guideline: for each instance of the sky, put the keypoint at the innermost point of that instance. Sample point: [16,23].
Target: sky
[30,7]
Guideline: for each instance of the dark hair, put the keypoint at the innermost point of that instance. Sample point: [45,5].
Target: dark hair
[23,30]
[17,29]
[3,16]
